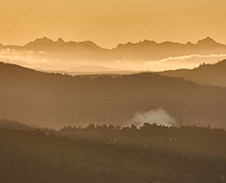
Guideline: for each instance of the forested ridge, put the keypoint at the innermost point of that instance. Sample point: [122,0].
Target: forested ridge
[206,74]
[105,153]
[53,100]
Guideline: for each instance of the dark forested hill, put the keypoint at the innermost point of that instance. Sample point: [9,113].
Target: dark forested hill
[151,154]
[208,74]
[53,100]
[13,125]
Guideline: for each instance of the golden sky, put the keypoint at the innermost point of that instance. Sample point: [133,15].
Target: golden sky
[109,22]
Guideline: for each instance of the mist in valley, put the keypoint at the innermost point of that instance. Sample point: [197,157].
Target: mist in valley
[88,58]
[77,121]
[112,91]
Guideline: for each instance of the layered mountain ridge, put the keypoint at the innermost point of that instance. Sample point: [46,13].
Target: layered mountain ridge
[141,51]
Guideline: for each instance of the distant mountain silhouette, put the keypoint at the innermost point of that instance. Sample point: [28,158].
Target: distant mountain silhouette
[208,42]
[45,44]
[207,74]
[150,50]
[54,100]
[142,51]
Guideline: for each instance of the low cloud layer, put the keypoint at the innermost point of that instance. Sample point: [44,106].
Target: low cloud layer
[25,58]
[45,61]
[189,61]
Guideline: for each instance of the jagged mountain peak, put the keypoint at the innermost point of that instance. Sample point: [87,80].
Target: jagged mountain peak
[60,40]
[208,40]
[44,39]
[189,43]
[145,42]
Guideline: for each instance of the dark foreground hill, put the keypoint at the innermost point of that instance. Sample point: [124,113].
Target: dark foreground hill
[54,100]
[14,125]
[151,154]
[207,74]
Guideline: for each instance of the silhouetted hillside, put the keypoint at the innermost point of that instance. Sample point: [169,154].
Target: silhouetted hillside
[54,100]
[156,155]
[13,125]
[190,140]
[207,74]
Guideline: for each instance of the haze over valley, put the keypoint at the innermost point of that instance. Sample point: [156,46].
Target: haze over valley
[123,91]
[87,57]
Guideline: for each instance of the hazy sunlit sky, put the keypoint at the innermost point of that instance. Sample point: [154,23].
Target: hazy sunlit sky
[109,22]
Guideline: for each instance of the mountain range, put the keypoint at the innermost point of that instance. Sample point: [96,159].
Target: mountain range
[56,100]
[135,52]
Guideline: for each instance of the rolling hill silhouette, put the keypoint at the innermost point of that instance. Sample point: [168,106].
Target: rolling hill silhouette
[207,74]
[54,100]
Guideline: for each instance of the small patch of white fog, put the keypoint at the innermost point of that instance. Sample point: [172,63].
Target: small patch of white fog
[158,116]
